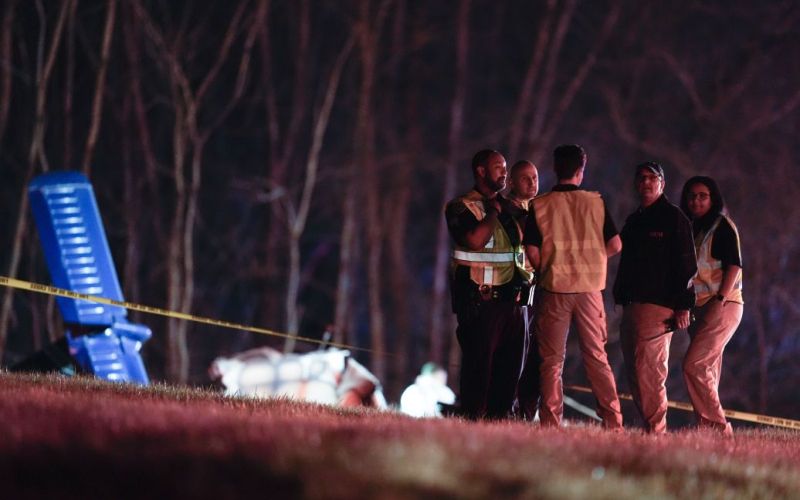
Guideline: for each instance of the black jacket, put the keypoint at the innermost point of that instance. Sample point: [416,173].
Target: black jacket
[658,261]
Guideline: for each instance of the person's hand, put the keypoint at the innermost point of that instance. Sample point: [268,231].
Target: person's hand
[493,204]
[681,319]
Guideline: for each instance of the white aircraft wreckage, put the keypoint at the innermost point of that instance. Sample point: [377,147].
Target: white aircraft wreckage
[330,377]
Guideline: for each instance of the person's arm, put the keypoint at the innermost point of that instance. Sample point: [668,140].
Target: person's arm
[613,246]
[620,290]
[729,275]
[725,248]
[685,269]
[482,232]
[610,234]
[532,239]
[533,255]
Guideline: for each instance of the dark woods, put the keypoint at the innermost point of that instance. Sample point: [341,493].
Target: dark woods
[285,163]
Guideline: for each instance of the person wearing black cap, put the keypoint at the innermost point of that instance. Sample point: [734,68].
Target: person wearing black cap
[655,287]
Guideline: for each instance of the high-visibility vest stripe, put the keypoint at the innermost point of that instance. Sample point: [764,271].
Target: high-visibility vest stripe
[487,257]
[713,288]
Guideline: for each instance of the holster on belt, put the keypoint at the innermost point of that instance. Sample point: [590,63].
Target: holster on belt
[467,295]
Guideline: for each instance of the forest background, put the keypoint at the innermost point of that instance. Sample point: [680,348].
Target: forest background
[285,164]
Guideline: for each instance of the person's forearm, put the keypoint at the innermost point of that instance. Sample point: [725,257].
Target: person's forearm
[729,275]
[483,232]
[533,255]
[613,246]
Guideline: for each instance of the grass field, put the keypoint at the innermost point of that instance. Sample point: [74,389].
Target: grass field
[82,437]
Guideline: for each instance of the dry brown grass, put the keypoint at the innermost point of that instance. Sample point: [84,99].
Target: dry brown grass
[83,437]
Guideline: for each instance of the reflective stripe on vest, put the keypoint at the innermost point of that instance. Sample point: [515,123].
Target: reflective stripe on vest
[482,256]
[573,251]
[709,270]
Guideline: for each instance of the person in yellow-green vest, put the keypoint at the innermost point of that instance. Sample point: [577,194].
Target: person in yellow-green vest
[489,285]
[719,305]
[569,236]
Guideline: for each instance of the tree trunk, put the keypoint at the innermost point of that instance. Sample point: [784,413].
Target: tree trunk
[69,90]
[397,202]
[176,340]
[99,90]
[133,208]
[369,36]
[6,41]
[343,314]
[526,93]
[298,222]
[439,298]
[35,151]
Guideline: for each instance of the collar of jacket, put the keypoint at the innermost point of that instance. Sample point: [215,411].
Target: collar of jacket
[661,202]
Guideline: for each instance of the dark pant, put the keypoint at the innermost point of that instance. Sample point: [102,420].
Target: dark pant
[494,340]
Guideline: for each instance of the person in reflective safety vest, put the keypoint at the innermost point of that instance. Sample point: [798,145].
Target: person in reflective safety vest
[489,286]
[569,237]
[719,305]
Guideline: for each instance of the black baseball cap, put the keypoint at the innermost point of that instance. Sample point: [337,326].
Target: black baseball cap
[652,167]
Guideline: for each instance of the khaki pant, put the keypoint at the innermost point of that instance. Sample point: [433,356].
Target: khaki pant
[553,316]
[715,325]
[645,347]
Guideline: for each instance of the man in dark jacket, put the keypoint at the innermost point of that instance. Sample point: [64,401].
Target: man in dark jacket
[655,287]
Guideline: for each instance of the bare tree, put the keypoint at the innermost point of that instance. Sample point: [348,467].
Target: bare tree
[36,152]
[6,41]
[298,217]
[545,83]
[345,287]
[283,146]
[438,326]
[189,139]
[69,87]
[404,151]
[370,27]
[99,90]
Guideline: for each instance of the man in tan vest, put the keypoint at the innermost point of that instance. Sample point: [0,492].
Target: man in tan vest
[568,239]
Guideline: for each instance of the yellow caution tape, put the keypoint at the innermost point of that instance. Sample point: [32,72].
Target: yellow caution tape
[51,290]
[737,415]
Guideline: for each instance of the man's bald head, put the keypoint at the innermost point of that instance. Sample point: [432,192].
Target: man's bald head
[524,180]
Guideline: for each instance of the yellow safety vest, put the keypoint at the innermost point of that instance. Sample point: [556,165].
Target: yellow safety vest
[573,251]
[497,262]
[524,204]
[709,270]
